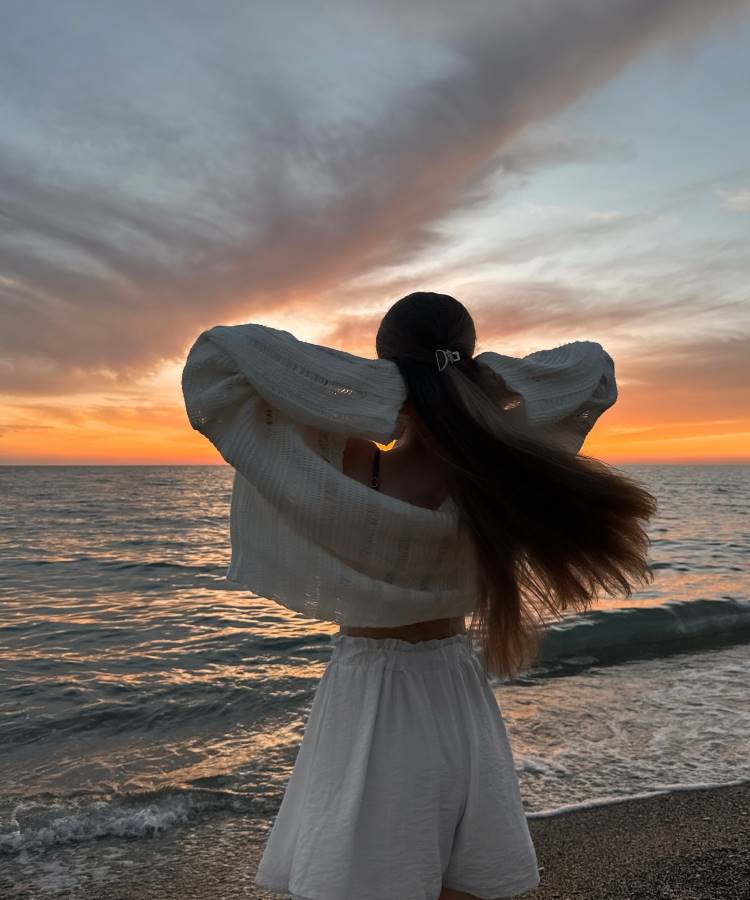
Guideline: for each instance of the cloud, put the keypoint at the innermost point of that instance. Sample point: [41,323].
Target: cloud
[164,169]
[547,145]
[738,200]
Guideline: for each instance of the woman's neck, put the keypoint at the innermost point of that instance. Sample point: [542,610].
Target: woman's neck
[411,441]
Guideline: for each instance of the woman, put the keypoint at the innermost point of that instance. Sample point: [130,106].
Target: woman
[404,786]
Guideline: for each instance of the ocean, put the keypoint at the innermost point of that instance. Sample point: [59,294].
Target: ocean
[143,697]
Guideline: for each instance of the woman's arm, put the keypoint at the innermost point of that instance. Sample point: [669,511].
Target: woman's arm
[239,380]
[564,389]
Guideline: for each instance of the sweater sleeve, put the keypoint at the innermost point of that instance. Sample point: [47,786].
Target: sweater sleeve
[564,389]
[237,378]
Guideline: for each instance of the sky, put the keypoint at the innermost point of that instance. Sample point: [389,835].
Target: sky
[569,170]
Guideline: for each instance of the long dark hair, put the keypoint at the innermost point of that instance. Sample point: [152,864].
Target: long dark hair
[549,528]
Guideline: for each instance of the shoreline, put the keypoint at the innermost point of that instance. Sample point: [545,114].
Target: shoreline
[646,795]
[691,844]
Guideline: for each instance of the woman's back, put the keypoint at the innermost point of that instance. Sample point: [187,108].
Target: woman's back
[412,473]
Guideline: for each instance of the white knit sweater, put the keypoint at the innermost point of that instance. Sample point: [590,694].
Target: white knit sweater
[279,410]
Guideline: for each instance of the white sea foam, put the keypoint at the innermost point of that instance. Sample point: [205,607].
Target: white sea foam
[45,822]
[613,732]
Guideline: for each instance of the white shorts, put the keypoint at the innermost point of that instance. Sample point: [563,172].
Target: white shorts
[404,782]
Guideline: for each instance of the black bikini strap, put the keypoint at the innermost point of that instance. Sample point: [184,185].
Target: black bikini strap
[375,480]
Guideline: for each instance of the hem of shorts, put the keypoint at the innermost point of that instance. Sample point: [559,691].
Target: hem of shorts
[506,889]
[270,883]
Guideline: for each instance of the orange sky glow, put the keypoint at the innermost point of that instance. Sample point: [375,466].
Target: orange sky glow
[678,423]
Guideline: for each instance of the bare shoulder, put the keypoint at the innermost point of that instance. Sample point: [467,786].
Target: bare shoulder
[357,447]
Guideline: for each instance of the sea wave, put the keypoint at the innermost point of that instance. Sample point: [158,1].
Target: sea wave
[632,632]
[45,821]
